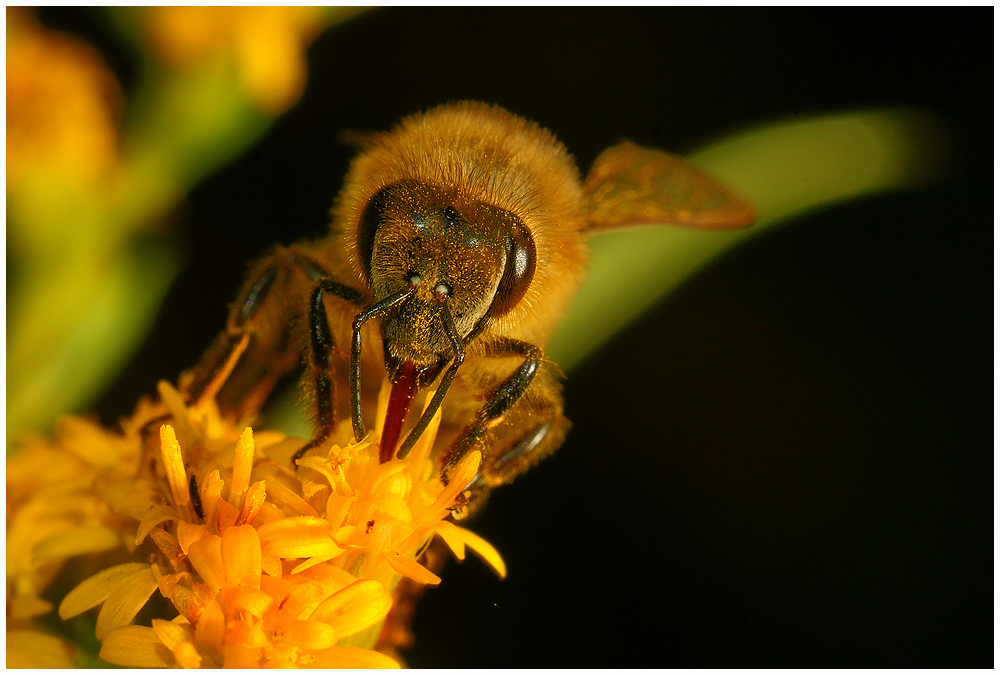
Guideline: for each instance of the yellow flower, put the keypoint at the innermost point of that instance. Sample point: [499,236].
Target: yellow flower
[55,511]
[267,44]
[62,105]
[34,649]
[263,564]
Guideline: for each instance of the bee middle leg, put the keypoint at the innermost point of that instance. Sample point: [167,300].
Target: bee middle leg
[264,338]
[521,422]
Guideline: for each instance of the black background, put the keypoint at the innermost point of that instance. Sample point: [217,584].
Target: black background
[789,461]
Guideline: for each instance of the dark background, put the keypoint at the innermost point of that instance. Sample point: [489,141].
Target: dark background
[789,461]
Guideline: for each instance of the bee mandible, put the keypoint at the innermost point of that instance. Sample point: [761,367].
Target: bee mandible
[457,241]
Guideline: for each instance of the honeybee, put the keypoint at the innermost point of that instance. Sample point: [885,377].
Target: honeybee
[457,241]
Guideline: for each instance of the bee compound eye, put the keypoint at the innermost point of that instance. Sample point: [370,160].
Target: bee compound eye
[518,273]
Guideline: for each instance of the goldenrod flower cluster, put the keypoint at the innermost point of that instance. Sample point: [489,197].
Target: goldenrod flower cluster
[267,44]
[263,564]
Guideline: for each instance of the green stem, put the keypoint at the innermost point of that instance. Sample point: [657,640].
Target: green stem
[785,169]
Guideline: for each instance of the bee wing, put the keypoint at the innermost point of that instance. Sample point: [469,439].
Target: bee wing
[633,185]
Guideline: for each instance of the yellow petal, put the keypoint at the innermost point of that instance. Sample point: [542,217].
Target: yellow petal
[22,607]
[396,507]
[125,601]
[244,601]
[177,588]
[410,568]
[355,607]
[97,588]
[337,507]
[393,478]
[225,516]
[301,600]
[383,404]
[32,649]
[454,541]
[167,544]
[331,577]
[177,408]
[252,501]
[157,514]
[136,647]
[421,452]
[318,464]
[90,442]
[268,437]
[244,643]
[463,474]
[211,628]
[206,558]
[270,564]
[130,499]
[173,465]
[289,548]
[211,495]
[310,634]
[484,551]
[189,533]
[281,453]
[297,526]
[277,587]
[317,559]
[76,541]
[352,657]
[350,535]
[284,496]
[241,556]
[171,633]
[187,656]
[242,463]
[247,633]
[466,471]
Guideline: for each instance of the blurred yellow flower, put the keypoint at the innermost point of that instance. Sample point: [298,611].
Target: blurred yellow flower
[265,564]
[33,649]
[267,44]
[62,105]
[55,511]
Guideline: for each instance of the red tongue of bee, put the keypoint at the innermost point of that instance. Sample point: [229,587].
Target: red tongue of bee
[400,400]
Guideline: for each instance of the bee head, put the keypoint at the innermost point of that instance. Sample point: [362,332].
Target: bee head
[476,257]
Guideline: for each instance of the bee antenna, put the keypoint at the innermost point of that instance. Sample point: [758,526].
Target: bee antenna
[378,309]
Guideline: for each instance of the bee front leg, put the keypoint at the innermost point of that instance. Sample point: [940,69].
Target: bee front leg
[320,346]
[521,422]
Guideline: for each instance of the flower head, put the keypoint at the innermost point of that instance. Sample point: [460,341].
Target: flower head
[62,106]
[267,44]
[263,564]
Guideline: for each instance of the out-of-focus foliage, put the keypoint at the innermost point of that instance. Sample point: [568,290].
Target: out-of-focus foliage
[92,177]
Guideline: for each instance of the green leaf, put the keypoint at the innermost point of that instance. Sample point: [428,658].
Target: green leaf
[785,169]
